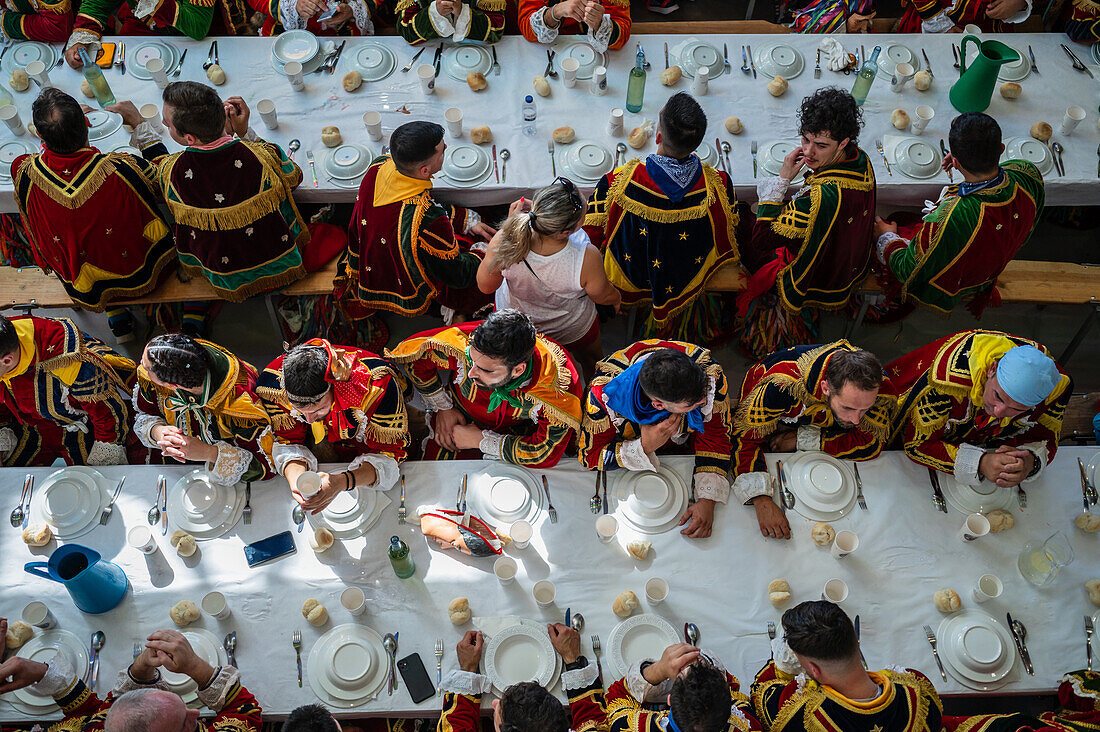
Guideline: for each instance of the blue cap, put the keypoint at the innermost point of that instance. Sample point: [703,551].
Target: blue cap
[1027,375]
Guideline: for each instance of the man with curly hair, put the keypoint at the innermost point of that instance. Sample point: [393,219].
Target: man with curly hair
[813,250]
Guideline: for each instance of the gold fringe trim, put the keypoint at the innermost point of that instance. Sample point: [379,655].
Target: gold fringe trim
[389,435]
[403,5]
[493,6]
[104,168]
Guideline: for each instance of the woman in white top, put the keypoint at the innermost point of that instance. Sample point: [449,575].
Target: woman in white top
[542,263]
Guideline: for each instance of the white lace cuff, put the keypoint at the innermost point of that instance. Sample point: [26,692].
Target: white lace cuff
[748,486]
[807,438]
[145,8]
[8,440]
[144,135]
[940,23]
[633,456]
[579,678]
[443,25]
[143,428]
[384,465]
[439,401]
[883,242]
[1021,16]
[466,682]
[60,677]
[785,660]
[213,695]
[231,465]
[543,33]
[126,682]
[473,218]
[288,15]
[712,486]
[967,463]
[250,135]
[772,190]
[85,37]
[283,454]
[107,453]
[642,690]
[600,37]
[491,443]
[1042,457]
[361,14]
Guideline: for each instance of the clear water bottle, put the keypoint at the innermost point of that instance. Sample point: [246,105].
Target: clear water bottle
[402,561]
[866,77]
[529,115]
[635,85]
[97,81]
[5,97]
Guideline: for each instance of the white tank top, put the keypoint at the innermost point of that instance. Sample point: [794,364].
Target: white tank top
[550,291]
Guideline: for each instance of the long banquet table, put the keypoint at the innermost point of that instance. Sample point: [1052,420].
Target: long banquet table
[247,62]
[907,552]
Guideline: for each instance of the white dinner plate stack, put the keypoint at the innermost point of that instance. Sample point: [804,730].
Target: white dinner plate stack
[346,165]
[771,155]
[466,166]
[650,502]
[347,666]
[976,649]
[521,652]
[585,161]
[70,501]
[25,52]
[375,61]
[146,52]
[351,513]
[1031,150]
[462,59]
[637,638]
[297,45]
[976,499]
[707,154]
[42,647]
[9,151]
[778,59]
[203,508]
[915,157]
[894,54]
[824,487]
[587,56]
[208,648]
[502,494]
[102,123]
[694,54]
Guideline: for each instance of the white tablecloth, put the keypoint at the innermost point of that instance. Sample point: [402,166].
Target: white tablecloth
[907,552]
[247,62]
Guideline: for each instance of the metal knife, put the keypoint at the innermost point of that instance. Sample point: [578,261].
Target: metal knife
[937,493]
[861,658]
[787,496]
[666,54]
[718,151]
[606,505]
[1088,491]
[882,152]
[122,58]
[1034,68]
[927,63]
[163,482]
[752,62]
[496,170]
[1024,655]
[336,58]
[437,60]
[950,173]
[568,614]
[862,503]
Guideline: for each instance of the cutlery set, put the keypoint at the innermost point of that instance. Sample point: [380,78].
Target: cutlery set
[1088,490]
[882,152]
[19,514]
[937,494]
[1077,65]
[786,498]
[1019,634]
[748,65]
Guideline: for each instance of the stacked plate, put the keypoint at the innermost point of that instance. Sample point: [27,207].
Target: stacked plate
[1031,150]
[297,45]
[894,54]
[650,502]
[9,151]
[588,57]
[146,52]
[102,123]
[346,165]
[693,55]
[351,513]
[586,161]
[202,508]
[21,54]
[502,494]
[1017,70]
[462,59]
[347,666]
[70,501]
[917,158]
[466,166]
[42,647]
[1091,468]
[824,487]
[638,638]
[771,155]
[208,648]
[128,149]
[779,59]
[521,652]
[976,649]
[1096,53]
[977,499]
[707,154]
[375,61]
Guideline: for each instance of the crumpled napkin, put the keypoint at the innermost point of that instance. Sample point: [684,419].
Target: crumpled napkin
[834,53]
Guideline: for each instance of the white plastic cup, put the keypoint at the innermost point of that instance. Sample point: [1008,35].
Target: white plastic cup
[266,108]
[37,71]
[844,543]
[308,483]
[921,117]
[656,590]
[615,122]
[9,114]
[975,527]
[1074,116]
[37,614]
[700,82]
[214,604]
[606,527]
[903,72]
[453,117]
[544,592]
[141,538]
[354,601]
[521,533]
[293,71]
[599,81]
[155,67]
[373,121]
[569,68]
[151,114]
[505,570]
[971,30]
[988,588]
[835,590]
[426,74]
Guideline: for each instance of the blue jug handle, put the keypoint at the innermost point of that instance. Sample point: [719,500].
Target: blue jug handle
[38,568]
[962,51]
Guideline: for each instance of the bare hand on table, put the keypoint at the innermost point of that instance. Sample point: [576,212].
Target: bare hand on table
[469,651]
[443,425]
[129,113]
[699,518]
[566,641]
[773,522]
[654,436]
[1007,467]
[236,117]
[675,659]
[1003,9]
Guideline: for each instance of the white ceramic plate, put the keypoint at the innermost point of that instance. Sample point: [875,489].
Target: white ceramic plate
[375,61]
[976,648]
[1096,53]
[73,482]
[1011,71]
[146,52]
[707,154]
[1031,150]
[637,638]
[894,54]
[42,648]
[520,652]
[824,487]
[201,508]
[308,66]
[588,57]
[462,59]
[589,160]
[917,158]
[102,123]
[348,646]
[128,149]
[208,648]
[967,500]
[9,151]
[695,54]
[771,155]
[650,502]
[502,494]
[348,184]
[351,513]
[21,54]
[779,60]
[295,45]
[464,163]
[348,162]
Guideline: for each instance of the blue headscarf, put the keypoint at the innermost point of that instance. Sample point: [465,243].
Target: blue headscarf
[625,396]
[1027,375]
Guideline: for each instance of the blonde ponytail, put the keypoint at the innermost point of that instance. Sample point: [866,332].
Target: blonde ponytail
[553,210]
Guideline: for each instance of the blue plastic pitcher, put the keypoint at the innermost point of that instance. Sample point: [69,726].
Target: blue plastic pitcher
[95,584]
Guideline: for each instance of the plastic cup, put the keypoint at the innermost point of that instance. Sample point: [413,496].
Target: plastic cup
[426,74]
[38,615]
[922,116]
[700,82]
[141,538]
[569,68]
[844,543]
[9,114]
[453,116]
[1074,116]
[544,592]
[373,121]
[975,527]
[656,590]
[989,587]
[354,601]
[835,590]
[293,71]
[971,30]
[266,108]
[214,604]
[37,71]
[505,570]
[155,67]
[903,72]
[521,533]
[615,122]
[606,527]
[151,114]
[599,81]
[308,483]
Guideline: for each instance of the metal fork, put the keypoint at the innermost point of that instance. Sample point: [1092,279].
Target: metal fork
[137,649]
[550,504]
[596,653]
[595,504]
[1021,496]
[1088,640]
[817,68]
[859,488]
[932,642]
[179,65]
[296,641]
[106,515]
[439,667]
[553,162]
[402,512]
[246,514]
[409,65]
[771,635]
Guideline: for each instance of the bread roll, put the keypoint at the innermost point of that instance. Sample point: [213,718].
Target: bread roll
[481,135]
[1093,588]
[564,135]
[352,81]
[477,80]
[625,604]
[1011,90]
[947,600]
[331,136]
[459,611]
[671,75]
[1088,522]
[639,549]
[18,634]
[184,613]
[638,138]
[899,118]
[822,534]
[779,592]
[314,612]
[184,543]
[1042,131]
[216,74]
[19,81]
[86,89]
[1000,520]
[542,86]
[922,80]
[37,535]
[777,86]
[734,126]
[321,540]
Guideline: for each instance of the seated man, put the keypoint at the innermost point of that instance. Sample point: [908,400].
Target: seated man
[832,687]
[833,398]
[974,230]
[951,16]
[1078,709]
[812,251]
[426,20]
[605,25]
[63,394]
[335,404]
[197,402]
[701,695]
[404,250]
[649,394]
[93,219]
[352,18]
[40,21]
[231,197]
[668,224]
[981,405]
[493,389]
[140,699]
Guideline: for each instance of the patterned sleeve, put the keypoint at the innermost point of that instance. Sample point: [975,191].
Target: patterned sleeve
[439,252]
[595,219]
[106,408]
[51,23]
[288,169]
[927,445]
[92,19]
[782,225]
[1083,27]
[712,447]
[542,448]
[599,441]
[461,713]
[190,19]
[424,375]
[389,418]
[905,261]
[767,694]
[236,707]
[627,714]
[758,415]
[620,25]
[584,688]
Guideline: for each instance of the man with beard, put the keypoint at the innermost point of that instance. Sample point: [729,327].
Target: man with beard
[494,389]
[833,398]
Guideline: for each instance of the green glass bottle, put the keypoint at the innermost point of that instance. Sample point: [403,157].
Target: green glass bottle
[635,86]
[866,77]
[97,81]
[402,561]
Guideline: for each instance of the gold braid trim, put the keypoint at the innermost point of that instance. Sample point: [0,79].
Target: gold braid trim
[65,195]
[620,3]
[494,6]
[74,724]
[617,191]
[389,435]
[806,700]
[744,407]
[1089,6]
[561,361]
[238,216]
[404,5]
[229,723]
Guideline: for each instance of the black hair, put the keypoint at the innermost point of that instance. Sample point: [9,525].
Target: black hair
[304,370]
[527,707]
[310,718]
[820,630]
[700,699]
[683,124]
[507,335]
[833,111]
[196,110]
[9,339]
[975,139]
[413,143]
[60,121]
[178,359]
[860,368]
[672,377]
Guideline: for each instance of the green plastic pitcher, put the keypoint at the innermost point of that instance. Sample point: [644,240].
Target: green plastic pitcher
[974,89]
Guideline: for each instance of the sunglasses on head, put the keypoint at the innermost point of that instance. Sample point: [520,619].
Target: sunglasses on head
[568,187]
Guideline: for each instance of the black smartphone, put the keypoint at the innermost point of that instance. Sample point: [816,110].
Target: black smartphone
[416,678]
[265,550]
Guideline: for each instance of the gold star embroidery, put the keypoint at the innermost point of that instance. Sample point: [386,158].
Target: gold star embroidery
[1000,226]
[698,260]
[683,236]
[188,174]
[51,348]
[67,171]
[876,728]
[109,232]
[362,222]
[642,232]
[669,289]
[219,197]
[285,237]
[626,257]
[238,163]
[656,264]
[248,231]
[225,260]
[57,240]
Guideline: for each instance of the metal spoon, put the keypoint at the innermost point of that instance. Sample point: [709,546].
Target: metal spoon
[293,147]
[154,512]
[98,641]
[1057,147]
[620,149]
[389,642]
[577,622]
[504,155]
[17,513]
[230,644]
[726,147]
[299,517]
[691,633]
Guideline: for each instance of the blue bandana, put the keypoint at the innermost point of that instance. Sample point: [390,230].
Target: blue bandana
[965,189]
[625,396]
[674,177]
